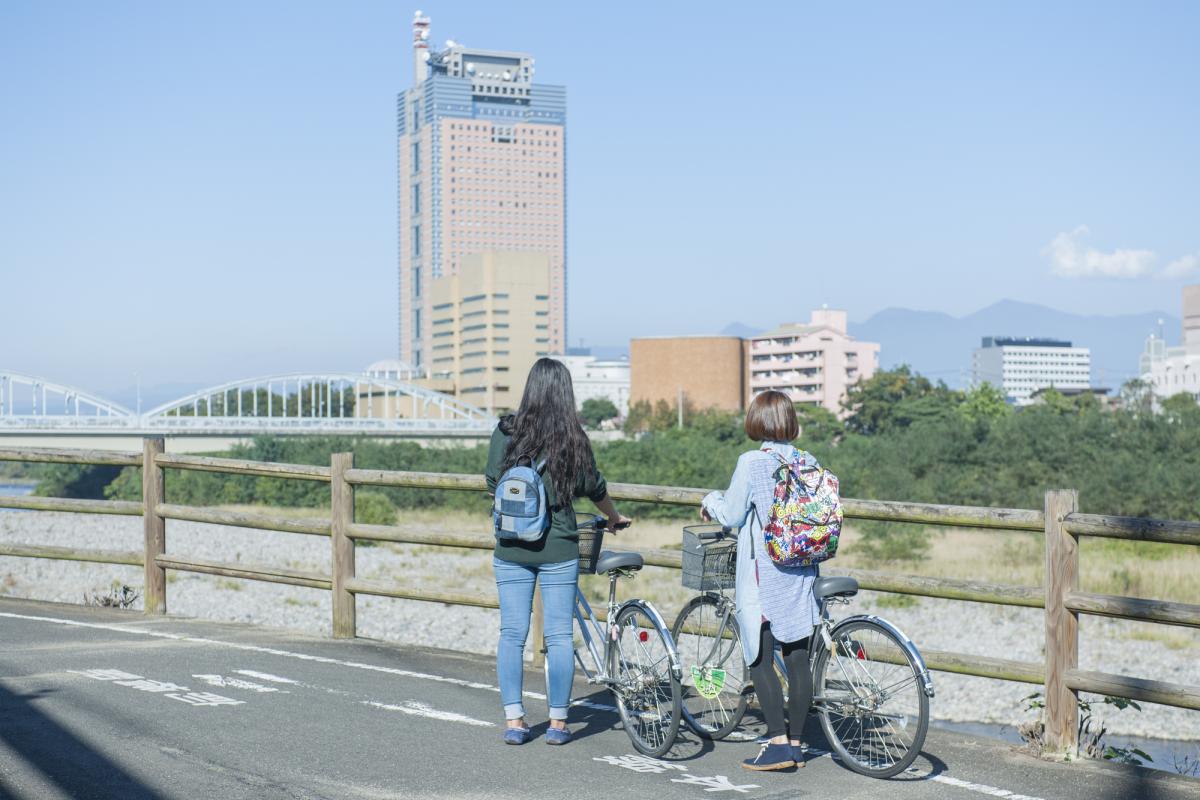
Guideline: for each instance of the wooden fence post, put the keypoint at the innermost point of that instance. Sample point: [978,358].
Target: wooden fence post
[154,527]
[342,511]
[1062,624]
[537,626]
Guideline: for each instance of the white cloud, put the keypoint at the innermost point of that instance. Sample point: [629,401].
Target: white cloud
[1182,267]
[1069,258]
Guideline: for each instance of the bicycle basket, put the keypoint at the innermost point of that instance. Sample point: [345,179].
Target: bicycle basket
[709,557]
[590,542]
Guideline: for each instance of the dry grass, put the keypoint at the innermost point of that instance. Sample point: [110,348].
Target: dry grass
[1156,571]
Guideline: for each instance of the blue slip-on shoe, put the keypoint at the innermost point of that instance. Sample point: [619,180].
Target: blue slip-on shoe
[516,735]
[557,736]
[771,756]
[798,751]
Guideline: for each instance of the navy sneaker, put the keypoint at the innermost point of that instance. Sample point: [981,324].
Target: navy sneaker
[771,756]
[516,735]
[798,751]
[557,735]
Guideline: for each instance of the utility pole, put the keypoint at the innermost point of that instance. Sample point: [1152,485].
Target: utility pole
[679,403]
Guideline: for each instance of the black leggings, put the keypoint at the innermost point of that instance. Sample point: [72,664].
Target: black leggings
[770,693]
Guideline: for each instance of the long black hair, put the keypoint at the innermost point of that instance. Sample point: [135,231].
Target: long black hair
[547,426]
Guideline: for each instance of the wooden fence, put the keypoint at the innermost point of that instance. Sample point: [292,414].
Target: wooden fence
[1060,597]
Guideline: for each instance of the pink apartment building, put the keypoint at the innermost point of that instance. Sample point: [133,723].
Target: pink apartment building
[813,363]
[482,168]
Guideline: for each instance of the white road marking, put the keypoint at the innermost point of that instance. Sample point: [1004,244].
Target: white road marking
[980,788]
[222,682]
[416,709]
[717,783]
[264,676]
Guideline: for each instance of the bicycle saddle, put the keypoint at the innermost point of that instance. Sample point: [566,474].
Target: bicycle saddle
[839,586]
[610,561]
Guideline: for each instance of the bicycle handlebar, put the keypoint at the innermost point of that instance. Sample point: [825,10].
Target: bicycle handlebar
[598,522]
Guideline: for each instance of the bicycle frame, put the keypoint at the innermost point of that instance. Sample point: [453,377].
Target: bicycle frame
[587,620]
[828,627]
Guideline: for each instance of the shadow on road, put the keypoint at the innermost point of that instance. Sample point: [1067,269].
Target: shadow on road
[76,767]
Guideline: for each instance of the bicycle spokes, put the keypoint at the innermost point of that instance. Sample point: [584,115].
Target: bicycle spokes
[871,699]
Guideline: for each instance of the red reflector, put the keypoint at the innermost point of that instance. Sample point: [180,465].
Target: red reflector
[643,636]
[861,655]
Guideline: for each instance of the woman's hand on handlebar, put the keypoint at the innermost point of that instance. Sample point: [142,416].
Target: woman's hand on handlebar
[704,515]
[619,522]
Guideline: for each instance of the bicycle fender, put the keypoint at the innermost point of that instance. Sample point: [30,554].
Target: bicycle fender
[653,614]
[905,642]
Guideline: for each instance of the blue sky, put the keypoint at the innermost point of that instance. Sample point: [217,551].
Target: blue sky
[200,191]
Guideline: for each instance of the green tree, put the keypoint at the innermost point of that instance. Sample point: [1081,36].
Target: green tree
[596,410]
[984,403]
[897,398]
[818,424]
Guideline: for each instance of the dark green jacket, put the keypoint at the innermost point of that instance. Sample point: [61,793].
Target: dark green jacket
[561,542]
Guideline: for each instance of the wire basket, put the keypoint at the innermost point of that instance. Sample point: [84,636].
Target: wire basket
[709,557]
[590,542]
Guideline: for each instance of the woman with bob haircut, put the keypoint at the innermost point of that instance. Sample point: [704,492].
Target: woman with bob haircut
[545,427]
[775,605]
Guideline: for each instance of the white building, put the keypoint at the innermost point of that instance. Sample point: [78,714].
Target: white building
[1171,370]
[1021,366]
[593,377]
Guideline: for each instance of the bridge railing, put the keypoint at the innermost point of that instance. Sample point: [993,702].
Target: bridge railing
[1060,521]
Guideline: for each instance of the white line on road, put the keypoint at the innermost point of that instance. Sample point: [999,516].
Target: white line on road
[264,676]
[980,788]
[421,710]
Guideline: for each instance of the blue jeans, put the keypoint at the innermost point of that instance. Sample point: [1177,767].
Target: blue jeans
[514,585]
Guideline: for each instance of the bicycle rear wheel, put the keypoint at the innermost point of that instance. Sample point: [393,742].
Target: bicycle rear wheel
[871,699]
[714,671]
[645,685]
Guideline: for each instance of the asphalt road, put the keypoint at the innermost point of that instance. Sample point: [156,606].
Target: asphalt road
[98,703]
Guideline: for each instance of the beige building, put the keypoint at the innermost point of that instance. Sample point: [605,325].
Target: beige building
[812,364]
[710,371]
[481,153]
[488,324]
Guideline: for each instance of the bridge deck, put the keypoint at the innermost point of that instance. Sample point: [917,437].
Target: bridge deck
[102,703]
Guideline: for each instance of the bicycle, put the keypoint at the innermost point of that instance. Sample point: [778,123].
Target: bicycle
[639,664]
[871,688]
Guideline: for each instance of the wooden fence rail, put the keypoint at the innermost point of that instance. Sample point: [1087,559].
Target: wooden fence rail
[1060,521]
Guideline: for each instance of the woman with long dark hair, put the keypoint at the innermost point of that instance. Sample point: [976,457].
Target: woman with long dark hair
[545,428]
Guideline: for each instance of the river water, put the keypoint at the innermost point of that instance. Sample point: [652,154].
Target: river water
[15,490]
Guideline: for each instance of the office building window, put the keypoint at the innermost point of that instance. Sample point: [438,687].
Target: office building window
[416,282]
[416,157]
[416,323]
[416,198]
[416,240]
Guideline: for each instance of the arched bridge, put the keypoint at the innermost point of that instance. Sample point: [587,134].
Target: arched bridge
[295,403]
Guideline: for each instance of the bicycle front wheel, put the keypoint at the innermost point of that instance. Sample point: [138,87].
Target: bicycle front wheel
[644,681]
[871,699]
[714,672]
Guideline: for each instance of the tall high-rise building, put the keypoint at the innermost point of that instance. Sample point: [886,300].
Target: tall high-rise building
[482,167]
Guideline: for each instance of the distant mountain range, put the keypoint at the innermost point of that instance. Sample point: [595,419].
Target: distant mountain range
[939,345]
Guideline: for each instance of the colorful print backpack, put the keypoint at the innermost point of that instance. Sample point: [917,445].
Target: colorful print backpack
[805,518]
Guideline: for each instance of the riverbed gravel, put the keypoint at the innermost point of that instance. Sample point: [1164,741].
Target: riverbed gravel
[1157,652]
